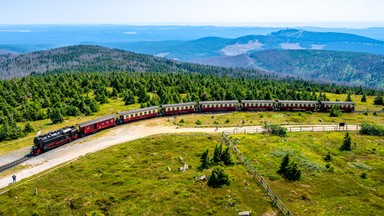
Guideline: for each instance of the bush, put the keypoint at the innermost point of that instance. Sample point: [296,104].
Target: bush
[218,178]
[198,122]
[364,175]
[335,112]
[372,129]
[28,128]
[375,113]
[328,157]
[365,113]
[227,121]
[182,121]
[276,130]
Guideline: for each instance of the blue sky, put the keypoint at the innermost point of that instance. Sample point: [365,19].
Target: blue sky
[196,12]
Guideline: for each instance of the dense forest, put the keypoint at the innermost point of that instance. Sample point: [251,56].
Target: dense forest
[71,94]
[330,66]
[88,58]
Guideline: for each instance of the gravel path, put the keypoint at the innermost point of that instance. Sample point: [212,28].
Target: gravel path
[96,143]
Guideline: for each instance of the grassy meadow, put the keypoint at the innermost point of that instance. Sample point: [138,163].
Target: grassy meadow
[131,179]
[339,190]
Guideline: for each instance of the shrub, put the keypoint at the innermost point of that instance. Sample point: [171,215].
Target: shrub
[364,175]
[365,113]
[375,113]
[328,157]
[218,178]
[378,100]
[276,130]
[28,128]
[182,121]
[227,121]
[335,112]
[198,122]
[372,129]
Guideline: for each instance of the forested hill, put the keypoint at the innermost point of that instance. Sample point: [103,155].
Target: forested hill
[343,67]
[89,58]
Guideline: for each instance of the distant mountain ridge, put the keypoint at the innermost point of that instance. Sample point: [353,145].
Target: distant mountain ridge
[288,39]
[89,58]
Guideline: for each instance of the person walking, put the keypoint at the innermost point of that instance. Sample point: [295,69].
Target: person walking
[14,178]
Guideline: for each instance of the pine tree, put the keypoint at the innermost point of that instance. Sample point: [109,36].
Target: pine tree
[227,157]
[347,143]
[284,165]
[349,99]
[216,155]
[204,160]
[56,116]
[293,172]
[364,98]
[28,128]
[328,157]
[129,98]
[378,100]
[218,178]
[289,170]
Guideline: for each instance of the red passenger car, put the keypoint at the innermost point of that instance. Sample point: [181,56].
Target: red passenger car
[206,106]
[96,125]
[170,109]
[133,115]
[257,105]
[343,106]
[286,105]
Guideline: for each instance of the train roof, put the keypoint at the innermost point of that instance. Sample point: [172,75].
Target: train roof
[94,121]
[258,101]
[53,134]
[179,104]
[138,110]
[338,102]
[298,101]
[219,102]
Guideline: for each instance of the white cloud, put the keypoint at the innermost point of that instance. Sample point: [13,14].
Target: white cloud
[130,33]
[14,30]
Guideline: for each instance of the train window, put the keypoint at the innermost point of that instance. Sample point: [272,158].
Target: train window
[88,128]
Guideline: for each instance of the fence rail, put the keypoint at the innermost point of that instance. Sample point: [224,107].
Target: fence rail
[296,129]
[260,180]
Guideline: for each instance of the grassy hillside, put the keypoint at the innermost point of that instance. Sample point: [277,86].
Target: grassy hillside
[321,191]
[129,180]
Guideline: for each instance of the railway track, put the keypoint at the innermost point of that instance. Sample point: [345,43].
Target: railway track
[14,163]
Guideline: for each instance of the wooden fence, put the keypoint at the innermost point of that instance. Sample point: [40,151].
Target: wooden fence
[260,180]
[296,129]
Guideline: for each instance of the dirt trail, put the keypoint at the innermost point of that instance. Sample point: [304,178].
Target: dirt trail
[93,144]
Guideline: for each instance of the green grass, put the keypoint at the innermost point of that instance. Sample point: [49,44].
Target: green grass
[322,192]
[285,118]
[128,180]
